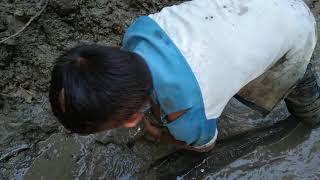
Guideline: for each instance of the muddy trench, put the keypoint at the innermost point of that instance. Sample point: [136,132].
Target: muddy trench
[34,146]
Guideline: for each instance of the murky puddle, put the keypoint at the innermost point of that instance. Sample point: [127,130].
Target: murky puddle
[296,156]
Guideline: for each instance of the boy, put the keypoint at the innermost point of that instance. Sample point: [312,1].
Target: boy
[185,63]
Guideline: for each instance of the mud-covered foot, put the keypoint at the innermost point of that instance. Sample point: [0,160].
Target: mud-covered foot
[304,101]
[308,113]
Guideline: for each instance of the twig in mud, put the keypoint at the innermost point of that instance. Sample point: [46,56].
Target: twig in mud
[5,95]
[27,24]
[14,151]
[27,91]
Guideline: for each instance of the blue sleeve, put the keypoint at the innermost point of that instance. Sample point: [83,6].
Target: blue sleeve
[192,130]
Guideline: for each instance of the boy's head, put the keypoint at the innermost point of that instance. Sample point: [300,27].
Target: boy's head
[94,88]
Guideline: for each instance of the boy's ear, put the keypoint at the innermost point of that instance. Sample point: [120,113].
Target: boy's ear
[133,120]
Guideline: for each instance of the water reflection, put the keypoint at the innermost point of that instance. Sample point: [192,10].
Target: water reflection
[294,157]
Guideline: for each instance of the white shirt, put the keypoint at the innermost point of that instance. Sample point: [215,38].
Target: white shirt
[229,43]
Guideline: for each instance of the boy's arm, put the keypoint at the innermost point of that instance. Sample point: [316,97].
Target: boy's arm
[166,137]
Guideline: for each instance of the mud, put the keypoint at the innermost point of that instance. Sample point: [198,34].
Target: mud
[34,146]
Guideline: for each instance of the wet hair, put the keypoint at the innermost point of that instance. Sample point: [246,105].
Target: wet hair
[99,84]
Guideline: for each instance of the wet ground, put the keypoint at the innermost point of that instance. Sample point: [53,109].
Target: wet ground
[296,156]
[34,146]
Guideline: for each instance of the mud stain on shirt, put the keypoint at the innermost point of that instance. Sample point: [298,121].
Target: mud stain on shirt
[243,10]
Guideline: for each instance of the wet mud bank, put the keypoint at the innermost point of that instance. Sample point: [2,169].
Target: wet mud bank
[34,146]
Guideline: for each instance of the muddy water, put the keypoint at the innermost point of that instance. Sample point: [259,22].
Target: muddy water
[293,153]
[34,146]
[293,157]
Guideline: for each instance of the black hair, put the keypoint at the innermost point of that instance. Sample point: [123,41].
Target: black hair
[100,84]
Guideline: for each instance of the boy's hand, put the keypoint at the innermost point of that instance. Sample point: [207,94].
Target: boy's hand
[164,136]
[152,130]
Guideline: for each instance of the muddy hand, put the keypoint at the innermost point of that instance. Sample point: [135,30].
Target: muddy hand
[152,130]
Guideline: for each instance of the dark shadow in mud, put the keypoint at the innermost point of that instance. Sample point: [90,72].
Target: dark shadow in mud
[191,165]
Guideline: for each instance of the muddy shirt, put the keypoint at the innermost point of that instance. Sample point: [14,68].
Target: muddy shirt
[229,43]
[202,52]
[175,86]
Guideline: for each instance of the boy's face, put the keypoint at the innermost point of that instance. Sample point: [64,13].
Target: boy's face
[134,120]
[137,117]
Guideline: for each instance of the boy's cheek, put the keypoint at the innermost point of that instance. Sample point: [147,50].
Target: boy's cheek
[133,121]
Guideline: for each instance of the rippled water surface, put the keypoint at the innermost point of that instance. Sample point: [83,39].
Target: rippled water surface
[294,157]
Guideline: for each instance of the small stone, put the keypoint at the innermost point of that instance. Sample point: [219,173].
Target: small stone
[117,29]
[19,13]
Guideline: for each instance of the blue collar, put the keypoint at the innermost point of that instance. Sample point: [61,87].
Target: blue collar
[174,83]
